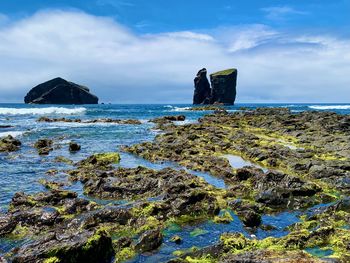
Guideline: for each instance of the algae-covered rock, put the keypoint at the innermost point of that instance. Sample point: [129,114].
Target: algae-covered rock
[150,240]
[76,246]
[176,239]
[43,146]
[9,144]
[168,119]
[100,161]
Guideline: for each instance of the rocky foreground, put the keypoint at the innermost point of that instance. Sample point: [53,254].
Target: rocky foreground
[299,160]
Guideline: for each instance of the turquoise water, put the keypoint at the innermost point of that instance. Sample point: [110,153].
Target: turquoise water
[21,171]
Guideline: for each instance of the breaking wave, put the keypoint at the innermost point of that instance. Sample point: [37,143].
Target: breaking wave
[41,111]
[330,107]
[12,133]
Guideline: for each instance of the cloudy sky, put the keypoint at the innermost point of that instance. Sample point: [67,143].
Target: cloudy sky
[137,51]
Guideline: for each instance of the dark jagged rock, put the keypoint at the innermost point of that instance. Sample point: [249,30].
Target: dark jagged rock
[60,91]
[222,91]
[74,147]
[9,144]
[168,119]
[150,240]
[76,246]
[44,146]
[223,85]
[201,87]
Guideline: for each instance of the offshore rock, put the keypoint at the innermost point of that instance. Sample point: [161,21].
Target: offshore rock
[202,89]
[44,146]
[60,91]
[9,144]
[222,91]
[223,85]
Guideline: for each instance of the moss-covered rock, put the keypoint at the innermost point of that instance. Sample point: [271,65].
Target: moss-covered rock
[9,144]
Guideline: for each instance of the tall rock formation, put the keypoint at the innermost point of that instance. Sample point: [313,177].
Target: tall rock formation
[201,87]
[60,91]
[222,91]
[223,86]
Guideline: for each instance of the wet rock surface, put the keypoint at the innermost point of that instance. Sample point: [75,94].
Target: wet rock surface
[168,119]
[74,147]
[293,163]
[44,146]
[74,246]
[9,144]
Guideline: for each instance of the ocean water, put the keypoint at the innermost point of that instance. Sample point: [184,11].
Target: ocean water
[21,171]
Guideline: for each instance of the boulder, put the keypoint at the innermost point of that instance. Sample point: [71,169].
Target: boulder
[74,147]
[60,91]
[73,246]
[150,240]
[44,146]
[223,84]
[202,89]
[9,144]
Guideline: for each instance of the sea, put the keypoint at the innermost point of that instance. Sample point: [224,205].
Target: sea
[21,171]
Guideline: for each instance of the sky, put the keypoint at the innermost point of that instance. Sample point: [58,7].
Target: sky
[136,51]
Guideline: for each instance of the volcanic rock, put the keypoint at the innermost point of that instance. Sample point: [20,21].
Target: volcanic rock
[222,91]
[223,85]
[60,91]
[201,87]
[9,144]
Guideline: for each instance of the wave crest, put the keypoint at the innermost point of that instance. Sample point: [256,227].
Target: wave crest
[12,133]
[41,111]
[330,107]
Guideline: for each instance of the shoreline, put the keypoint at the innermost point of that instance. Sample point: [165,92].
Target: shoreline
[298,162]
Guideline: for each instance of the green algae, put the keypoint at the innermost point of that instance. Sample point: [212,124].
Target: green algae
[52,260]
[224,217]
[198,232]
[124,254]
[224,72]
[204,259]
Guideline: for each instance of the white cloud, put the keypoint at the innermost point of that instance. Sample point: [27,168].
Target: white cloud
[122,67]
[281,12]
[239,38]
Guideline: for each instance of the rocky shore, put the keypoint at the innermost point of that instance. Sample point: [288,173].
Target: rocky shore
[297,163]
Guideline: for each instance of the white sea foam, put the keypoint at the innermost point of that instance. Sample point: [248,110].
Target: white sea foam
[41,111]
[12,133]
[180,109]
[330,107]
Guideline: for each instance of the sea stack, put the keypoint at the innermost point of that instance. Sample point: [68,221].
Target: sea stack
[222,91]
[201,87]
[60,91]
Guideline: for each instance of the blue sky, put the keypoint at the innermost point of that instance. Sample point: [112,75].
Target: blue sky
[158,15]
[149,51]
